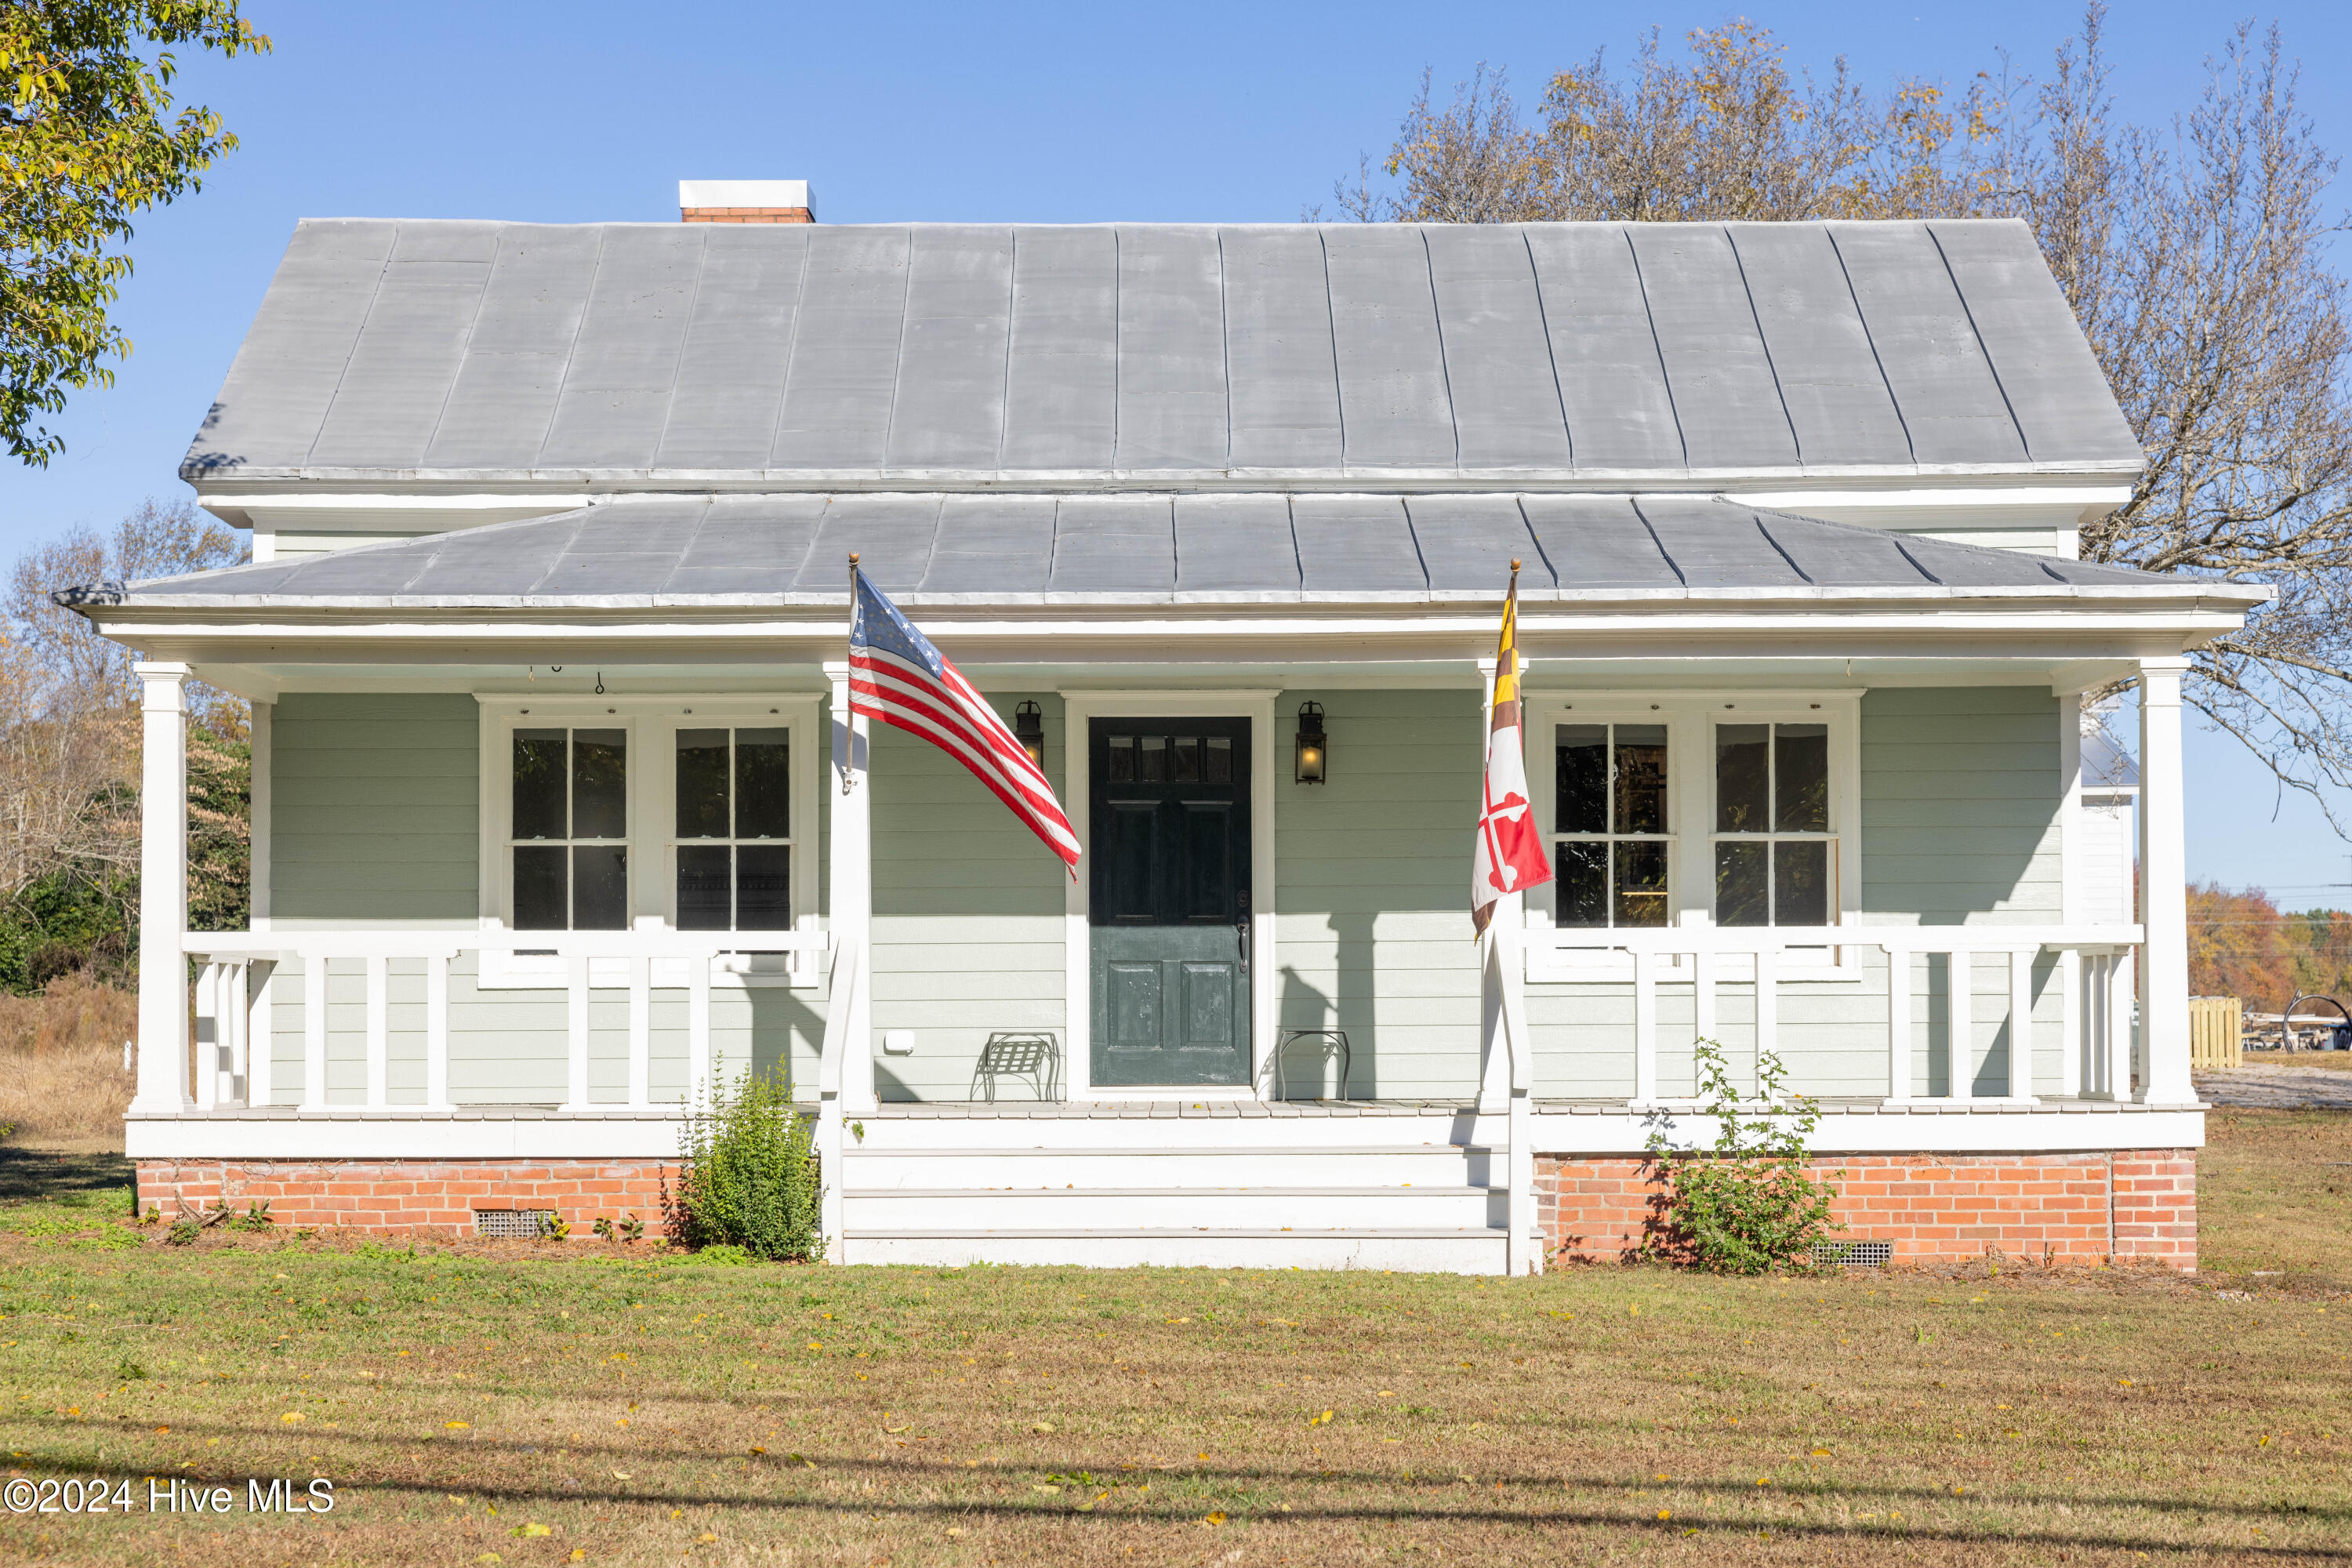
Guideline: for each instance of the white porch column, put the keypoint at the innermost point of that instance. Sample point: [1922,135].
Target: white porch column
[2163,889]
[852,903]
[163,891]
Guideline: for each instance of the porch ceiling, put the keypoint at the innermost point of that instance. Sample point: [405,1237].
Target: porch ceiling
[679,554]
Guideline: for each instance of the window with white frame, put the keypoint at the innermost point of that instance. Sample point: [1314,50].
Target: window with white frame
[1773,853]
[568,838]
[1677,808]
[1612,834]
[676,812]
[733,848]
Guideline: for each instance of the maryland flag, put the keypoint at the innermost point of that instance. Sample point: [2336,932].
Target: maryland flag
[1510,856]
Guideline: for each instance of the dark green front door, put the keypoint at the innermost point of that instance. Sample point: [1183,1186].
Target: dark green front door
[1170,896]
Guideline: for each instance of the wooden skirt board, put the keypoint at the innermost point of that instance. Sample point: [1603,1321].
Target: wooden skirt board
[1169,902]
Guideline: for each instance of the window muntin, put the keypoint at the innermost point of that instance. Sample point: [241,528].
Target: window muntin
[1775,858]
[733,844]
[569,837]
[1612,848]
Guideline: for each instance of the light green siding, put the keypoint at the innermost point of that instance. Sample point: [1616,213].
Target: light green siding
[968,915]
[373,808]
[1373,888]
[1958,824]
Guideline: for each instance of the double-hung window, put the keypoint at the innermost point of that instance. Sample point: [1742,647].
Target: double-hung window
[1696,808]
[570,833]
[1775,860]
[734,842]
[1613,842]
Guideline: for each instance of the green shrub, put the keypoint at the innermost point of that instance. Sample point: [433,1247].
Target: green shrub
[748,1173]
[1746,1206]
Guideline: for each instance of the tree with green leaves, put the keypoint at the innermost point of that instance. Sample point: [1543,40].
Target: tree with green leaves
[89,139]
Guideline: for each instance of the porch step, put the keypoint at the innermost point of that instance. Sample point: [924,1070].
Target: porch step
[1174,1210]
[870,1169]
[1404,1248]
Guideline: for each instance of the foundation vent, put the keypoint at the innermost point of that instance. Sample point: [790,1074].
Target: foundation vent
[1854,1254]
[523,1224]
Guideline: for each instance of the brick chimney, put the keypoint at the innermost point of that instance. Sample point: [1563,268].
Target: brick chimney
[744,201]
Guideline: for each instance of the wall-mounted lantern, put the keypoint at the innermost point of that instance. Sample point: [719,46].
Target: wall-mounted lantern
[1029,728]
[1312,748]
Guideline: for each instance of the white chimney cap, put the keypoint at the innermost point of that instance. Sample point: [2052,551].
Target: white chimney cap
[743,194]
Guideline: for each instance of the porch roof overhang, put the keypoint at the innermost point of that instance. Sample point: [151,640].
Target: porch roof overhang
[785,557]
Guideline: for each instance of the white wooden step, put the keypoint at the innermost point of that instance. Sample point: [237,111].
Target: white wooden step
[1433,1250]
[1178,1208]
[1149,1165]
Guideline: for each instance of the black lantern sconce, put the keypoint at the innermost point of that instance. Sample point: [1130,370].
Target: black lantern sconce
[1029,728]
[1313,750]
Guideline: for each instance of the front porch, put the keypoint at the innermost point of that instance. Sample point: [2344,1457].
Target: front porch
[508,919]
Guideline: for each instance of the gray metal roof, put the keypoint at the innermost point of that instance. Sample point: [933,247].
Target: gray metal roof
[646,552]
[843,357]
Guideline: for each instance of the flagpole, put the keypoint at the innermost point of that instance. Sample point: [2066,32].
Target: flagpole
[849,650]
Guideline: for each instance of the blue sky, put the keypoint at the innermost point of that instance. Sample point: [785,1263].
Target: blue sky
[1042,112]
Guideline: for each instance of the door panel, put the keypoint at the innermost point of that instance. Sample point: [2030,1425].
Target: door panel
[1170,902]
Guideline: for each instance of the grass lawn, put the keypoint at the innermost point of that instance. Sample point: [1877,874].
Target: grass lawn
[530,1404]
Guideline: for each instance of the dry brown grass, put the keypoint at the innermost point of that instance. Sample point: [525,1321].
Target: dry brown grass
[61,1078]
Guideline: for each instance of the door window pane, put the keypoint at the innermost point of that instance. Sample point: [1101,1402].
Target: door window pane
[600,886]
[763,887]
[539,891]
[539,784]
[764,798]
[1583,779]
[1743,884]
[1122,760]
[1184,760]
[1743,777]
[1800,779]
[702,889]
[1641,882]
[1801,883]
[1217,763]
[702,783]
[600,795]
[1152,761]
[1641,778]
[1581,873]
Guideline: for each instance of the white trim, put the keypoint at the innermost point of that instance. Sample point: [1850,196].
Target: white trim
[1690,717]
[162,1064]
[261,734]
[651,722]
[617,1132]
[1079,706]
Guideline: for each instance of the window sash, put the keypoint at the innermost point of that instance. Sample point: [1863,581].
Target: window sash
[582,878]
[733,880]
[1622,874]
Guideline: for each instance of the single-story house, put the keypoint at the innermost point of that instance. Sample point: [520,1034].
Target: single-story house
[559,818]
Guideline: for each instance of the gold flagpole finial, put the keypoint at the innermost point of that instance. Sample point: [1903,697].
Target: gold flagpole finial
[853,561]
[1515,565]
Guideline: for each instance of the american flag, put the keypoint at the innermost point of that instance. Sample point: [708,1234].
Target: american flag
[896,675]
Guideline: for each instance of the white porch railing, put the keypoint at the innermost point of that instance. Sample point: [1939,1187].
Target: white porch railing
[2092,972]
[231,1071]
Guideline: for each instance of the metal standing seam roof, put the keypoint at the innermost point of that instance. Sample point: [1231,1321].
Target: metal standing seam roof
[951,548]
[838,357]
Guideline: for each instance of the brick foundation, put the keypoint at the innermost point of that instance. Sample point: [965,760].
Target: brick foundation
[410,1194]
[2139,1205]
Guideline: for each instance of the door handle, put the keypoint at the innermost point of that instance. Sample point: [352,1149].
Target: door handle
[1242,931]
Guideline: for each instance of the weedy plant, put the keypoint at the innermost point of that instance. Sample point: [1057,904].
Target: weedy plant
[748,1173]
[1746,1206]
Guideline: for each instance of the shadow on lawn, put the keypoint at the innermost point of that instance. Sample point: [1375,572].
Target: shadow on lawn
[27,1174]
[914,1472]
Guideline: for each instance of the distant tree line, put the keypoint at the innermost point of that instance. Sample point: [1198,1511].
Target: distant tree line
[69,760]
[2244,946]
